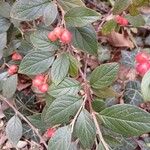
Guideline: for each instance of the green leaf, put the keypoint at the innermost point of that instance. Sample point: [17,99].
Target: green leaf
[98,105]
[5,9]
[3,39]
[120,6]
[36,62]
[69,4]
[28,9]
[74,66]
[14,130]
[81,16]
[60,68]
[104,75]
[132,93]
[50,13]
[67,87]
[61,140]
[73,146]
[40,41]
[10,86]
[85,129]
[4,24]
[107,92]
[109,26]
[62,109]
[125,119]
[136,21]
[84,38]
[145,86]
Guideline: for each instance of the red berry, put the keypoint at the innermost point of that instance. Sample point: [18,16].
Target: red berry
[66,37]
[143,68]
[121,20]
[50,132]
[12,69]
[58,31]
[40,77]
[43,88]
[52,36]
[141,57]
[37,82]
[16,56]
[124,22]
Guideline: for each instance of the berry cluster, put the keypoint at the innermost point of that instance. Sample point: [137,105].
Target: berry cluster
[50,132]
[143,63]
[121,20]
[14,68]
[60,33]
[39,83]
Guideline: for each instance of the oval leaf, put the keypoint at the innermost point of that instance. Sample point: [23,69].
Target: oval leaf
[104,75]
[81,16]
[85,129]
[125,119]
[36,62]
[14,130]
[62,109]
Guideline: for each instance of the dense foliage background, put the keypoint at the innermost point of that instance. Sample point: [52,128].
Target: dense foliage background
[85,86]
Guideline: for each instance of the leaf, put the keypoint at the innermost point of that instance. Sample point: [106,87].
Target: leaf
[62,109]
[74,66]
[98,105]
[69,4]
[28,10]
[5,9]
[60,68]
[107,92]
[84,38]
[61,140]
[3,39]
[67,87]
[7,90]
[81,16]
[108,27]
[145,86]
[128,58]
[50,13]
[85,129]
[136,21]
[4,24]
[73,146]
[132,93]
[125,119]
[120,6]
[36,62]
[14,130]
[40,41]
[104,75]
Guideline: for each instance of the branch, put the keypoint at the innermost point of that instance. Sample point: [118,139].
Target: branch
[23,117]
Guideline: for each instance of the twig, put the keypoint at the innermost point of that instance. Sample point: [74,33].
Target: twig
[99,132]
[26,120]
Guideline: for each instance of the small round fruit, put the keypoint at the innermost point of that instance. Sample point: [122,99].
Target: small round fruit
[52,37]
[66,37]
[40,77]
[124,22]
[58,31]
[142,68]
[50,132]
[12,69]
[141,57]
[37,82]
[43,88]
[121,20]
[16,56]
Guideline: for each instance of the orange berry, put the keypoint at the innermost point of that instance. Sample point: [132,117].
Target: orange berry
[52,37]
[16,56]
[66,37]
[58,31]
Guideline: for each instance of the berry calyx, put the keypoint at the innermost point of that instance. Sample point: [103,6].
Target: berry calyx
[16,56]
[52,37]
[66,37]
[141,57]
[58,31]
[142,68]
[12,69]
[43,88]
[50,132]
[121,20]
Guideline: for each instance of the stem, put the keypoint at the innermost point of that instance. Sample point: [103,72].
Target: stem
[26,120]
[99,132]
